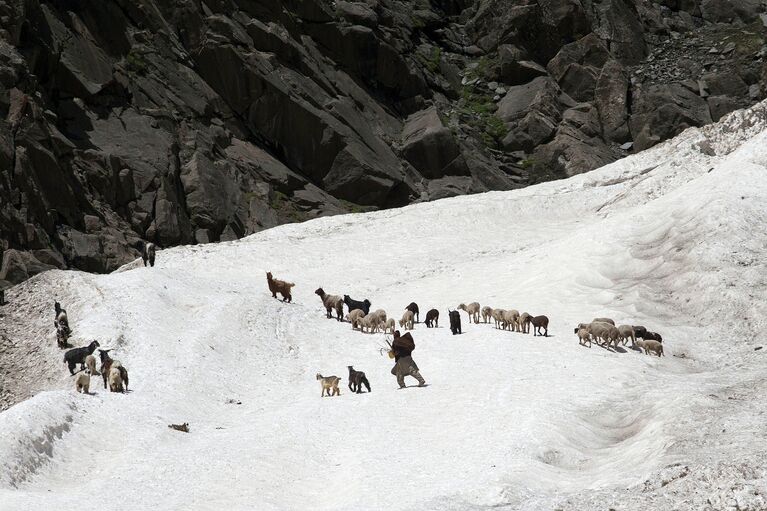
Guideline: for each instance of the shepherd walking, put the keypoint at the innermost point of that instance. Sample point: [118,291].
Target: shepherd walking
[402,347]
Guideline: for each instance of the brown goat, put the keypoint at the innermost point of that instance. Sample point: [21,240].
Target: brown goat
[538,323]
[279,286]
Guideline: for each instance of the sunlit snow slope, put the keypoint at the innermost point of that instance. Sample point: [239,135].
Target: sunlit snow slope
[673,239]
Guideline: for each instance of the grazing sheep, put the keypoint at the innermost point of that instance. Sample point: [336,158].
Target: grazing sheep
[538,323]
[455,322]
[472,310]
[83,381]
[604,331]
[497,315]
[380,315]
[279,286]
[407,320]
[603,320]
[487,312]
[524,322]
[90,363]
[354,317]
[329,384]
[107,364]
[627,332]
[331,302]
[651,345]
[355,304]
[115,380]
[510,318]
[432,318]
[413,307]
[390,326]
[583,336]
[77,356]
[371,322]
[356,380]
[148,253]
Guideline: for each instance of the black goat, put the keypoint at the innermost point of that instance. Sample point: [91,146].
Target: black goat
[364,305]
[356,380]
[432,318]
[413,307]
[77,356]
[654,336]
[455,322]
[148,253]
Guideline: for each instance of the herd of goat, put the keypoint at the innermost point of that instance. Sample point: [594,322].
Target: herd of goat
[601,331]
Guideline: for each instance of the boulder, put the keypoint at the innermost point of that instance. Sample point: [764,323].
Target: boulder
[82,250]
[83,67]
[724,11]
[357,13]
[430,146]
[572,152]
[661,112]
[577,66]
[17,266]
[620,27]
[540,94]
[725,84]
[611,101]
[721,106]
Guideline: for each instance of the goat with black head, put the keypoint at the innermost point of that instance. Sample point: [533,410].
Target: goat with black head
[78,355]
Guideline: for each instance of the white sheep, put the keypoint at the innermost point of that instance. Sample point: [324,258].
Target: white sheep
[604,331]
[524,322]
[408,318]
[115,379]
[603,320]
[583,336]
[83,381]
[650,345]
[370,322]
[354,317]
[627,332]
[90,363]
[390,326]
[497,315]
[380,316]
[510,318]
[487,312]
[472,310]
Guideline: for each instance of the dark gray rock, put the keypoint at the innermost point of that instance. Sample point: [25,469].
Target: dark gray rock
[611,101]
[18,266]
[721,106]
[729,10]
[430,146]
[357,13]
[661,112]
[572,152]
[577,66]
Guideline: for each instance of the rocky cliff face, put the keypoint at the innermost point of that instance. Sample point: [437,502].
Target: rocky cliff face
[182,121]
